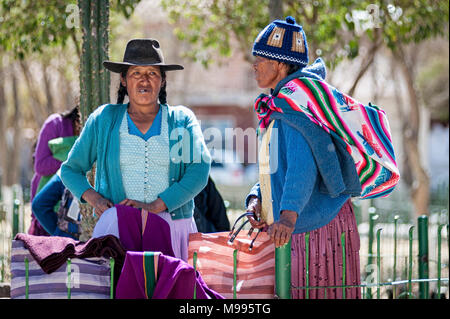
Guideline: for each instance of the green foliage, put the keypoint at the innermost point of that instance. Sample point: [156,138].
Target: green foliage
[327,28]
[334,28]
[125,7]
[405,21]
[32,25]
[210,25]
[28,26]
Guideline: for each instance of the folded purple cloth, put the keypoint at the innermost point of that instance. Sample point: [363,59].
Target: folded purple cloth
[52,252]
[156,236]
[175,279]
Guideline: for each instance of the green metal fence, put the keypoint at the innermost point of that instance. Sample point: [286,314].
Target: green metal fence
[11,223]
[5,238]
[418,261]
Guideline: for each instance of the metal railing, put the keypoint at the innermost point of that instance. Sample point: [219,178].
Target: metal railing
[375,281]
[11,222]
[374,278]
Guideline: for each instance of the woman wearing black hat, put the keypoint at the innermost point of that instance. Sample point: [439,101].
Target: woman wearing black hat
[149,155]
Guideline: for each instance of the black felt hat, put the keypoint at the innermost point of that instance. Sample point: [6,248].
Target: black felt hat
[141,52]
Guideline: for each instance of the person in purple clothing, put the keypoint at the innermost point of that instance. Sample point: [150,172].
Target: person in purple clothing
[45,164]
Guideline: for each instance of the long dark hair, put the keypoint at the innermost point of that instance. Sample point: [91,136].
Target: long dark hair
[122,92]
[75,115]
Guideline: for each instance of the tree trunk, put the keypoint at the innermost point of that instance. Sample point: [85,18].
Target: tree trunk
[76,45]
[85,65]
[406,173]
[276,9]
[13,150]
[365,64]
[421,184]
[103,48]
[3,113]
[94,79]
[65,90]
[48,90]
[40,113]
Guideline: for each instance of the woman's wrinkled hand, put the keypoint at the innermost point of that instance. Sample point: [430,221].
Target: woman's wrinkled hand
[97,201]
[156,206]
[254,206]
[281,231]
[133,203]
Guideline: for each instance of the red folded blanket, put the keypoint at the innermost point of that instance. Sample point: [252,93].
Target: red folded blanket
[52,252]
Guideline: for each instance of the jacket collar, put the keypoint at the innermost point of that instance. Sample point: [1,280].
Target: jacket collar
[316,71]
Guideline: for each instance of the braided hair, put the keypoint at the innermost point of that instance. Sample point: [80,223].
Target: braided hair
[162,92]
[122,92]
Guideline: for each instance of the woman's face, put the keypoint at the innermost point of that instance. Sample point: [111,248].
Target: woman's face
[268,72]
[143,84]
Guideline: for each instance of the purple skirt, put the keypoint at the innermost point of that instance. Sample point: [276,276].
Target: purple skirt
[325,259]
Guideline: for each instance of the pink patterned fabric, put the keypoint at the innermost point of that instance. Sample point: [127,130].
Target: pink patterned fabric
[255,268]
[363,128]
[325,259]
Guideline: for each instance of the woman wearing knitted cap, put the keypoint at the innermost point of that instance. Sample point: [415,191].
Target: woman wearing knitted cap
[306,177]
[137,150]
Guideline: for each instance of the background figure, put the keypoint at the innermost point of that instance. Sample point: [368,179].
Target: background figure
[210,213]
[65,124]
[55,209]
[136,147]
[306,178]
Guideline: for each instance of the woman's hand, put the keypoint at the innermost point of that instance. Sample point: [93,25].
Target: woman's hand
[132,203]
[254,206]
[156,206]
[97,201]
[281,231]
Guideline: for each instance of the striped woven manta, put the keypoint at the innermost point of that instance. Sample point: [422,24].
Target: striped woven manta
[90,277]
[232,269]
[364,128]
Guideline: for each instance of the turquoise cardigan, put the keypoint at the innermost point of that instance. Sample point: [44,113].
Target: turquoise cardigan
[190,160]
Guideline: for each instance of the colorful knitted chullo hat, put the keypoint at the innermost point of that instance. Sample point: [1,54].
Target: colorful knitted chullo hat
[283,41]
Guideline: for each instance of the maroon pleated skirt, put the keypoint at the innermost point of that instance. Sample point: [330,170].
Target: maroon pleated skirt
[325,259]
